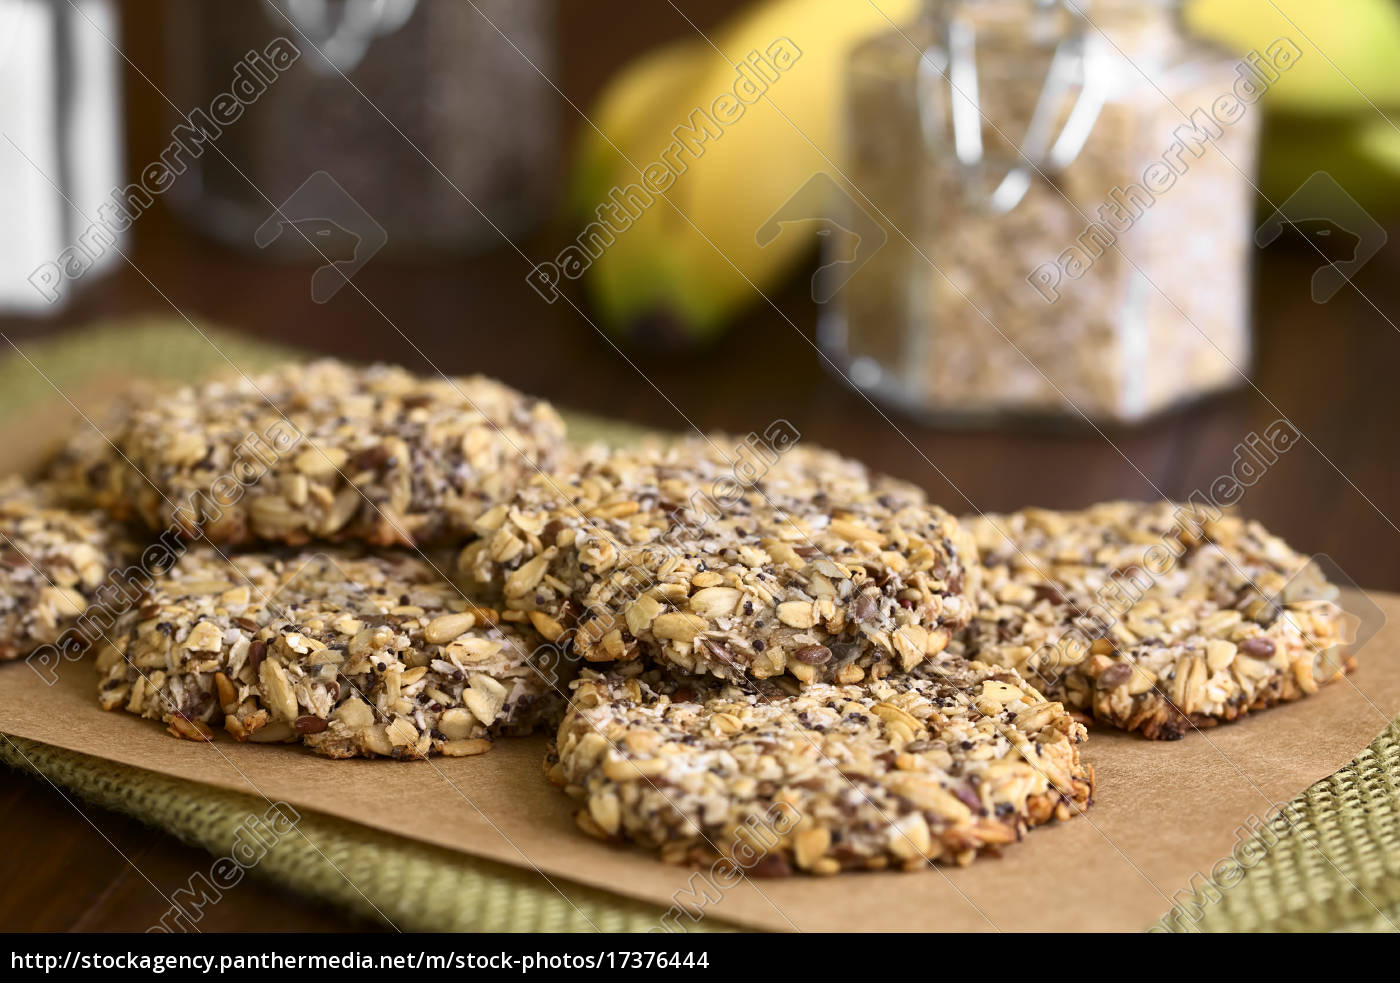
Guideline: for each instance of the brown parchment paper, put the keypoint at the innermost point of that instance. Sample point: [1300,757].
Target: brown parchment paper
[1165,811]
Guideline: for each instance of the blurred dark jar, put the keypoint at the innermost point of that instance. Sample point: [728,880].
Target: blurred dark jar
[432,119]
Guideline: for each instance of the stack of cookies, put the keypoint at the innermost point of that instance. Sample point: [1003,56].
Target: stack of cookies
[749,649]
[299,529]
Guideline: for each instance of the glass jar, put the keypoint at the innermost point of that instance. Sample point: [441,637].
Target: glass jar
[408,115]
[1066,194]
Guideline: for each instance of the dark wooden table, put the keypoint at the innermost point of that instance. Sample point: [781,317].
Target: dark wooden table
[1330,368]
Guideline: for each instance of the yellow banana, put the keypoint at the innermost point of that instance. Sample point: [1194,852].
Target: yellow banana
[626,111]
[750,125]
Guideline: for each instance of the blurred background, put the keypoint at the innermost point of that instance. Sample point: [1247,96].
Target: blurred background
[1017,251]
[967,240]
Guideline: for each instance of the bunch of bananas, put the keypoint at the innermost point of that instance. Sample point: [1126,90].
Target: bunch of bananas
[680,270]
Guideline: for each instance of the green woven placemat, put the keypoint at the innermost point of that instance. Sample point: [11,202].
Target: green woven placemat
[416,887]
[1335,864]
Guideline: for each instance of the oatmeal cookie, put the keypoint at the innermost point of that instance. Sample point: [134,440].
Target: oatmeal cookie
[940,764]
[352,655]
[53,564]
[1153,617]
[813,567]
[321,450]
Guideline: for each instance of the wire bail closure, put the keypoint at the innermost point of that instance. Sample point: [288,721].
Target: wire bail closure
[1074,62]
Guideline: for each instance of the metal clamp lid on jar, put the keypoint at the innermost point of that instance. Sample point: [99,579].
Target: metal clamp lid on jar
[1074,62]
